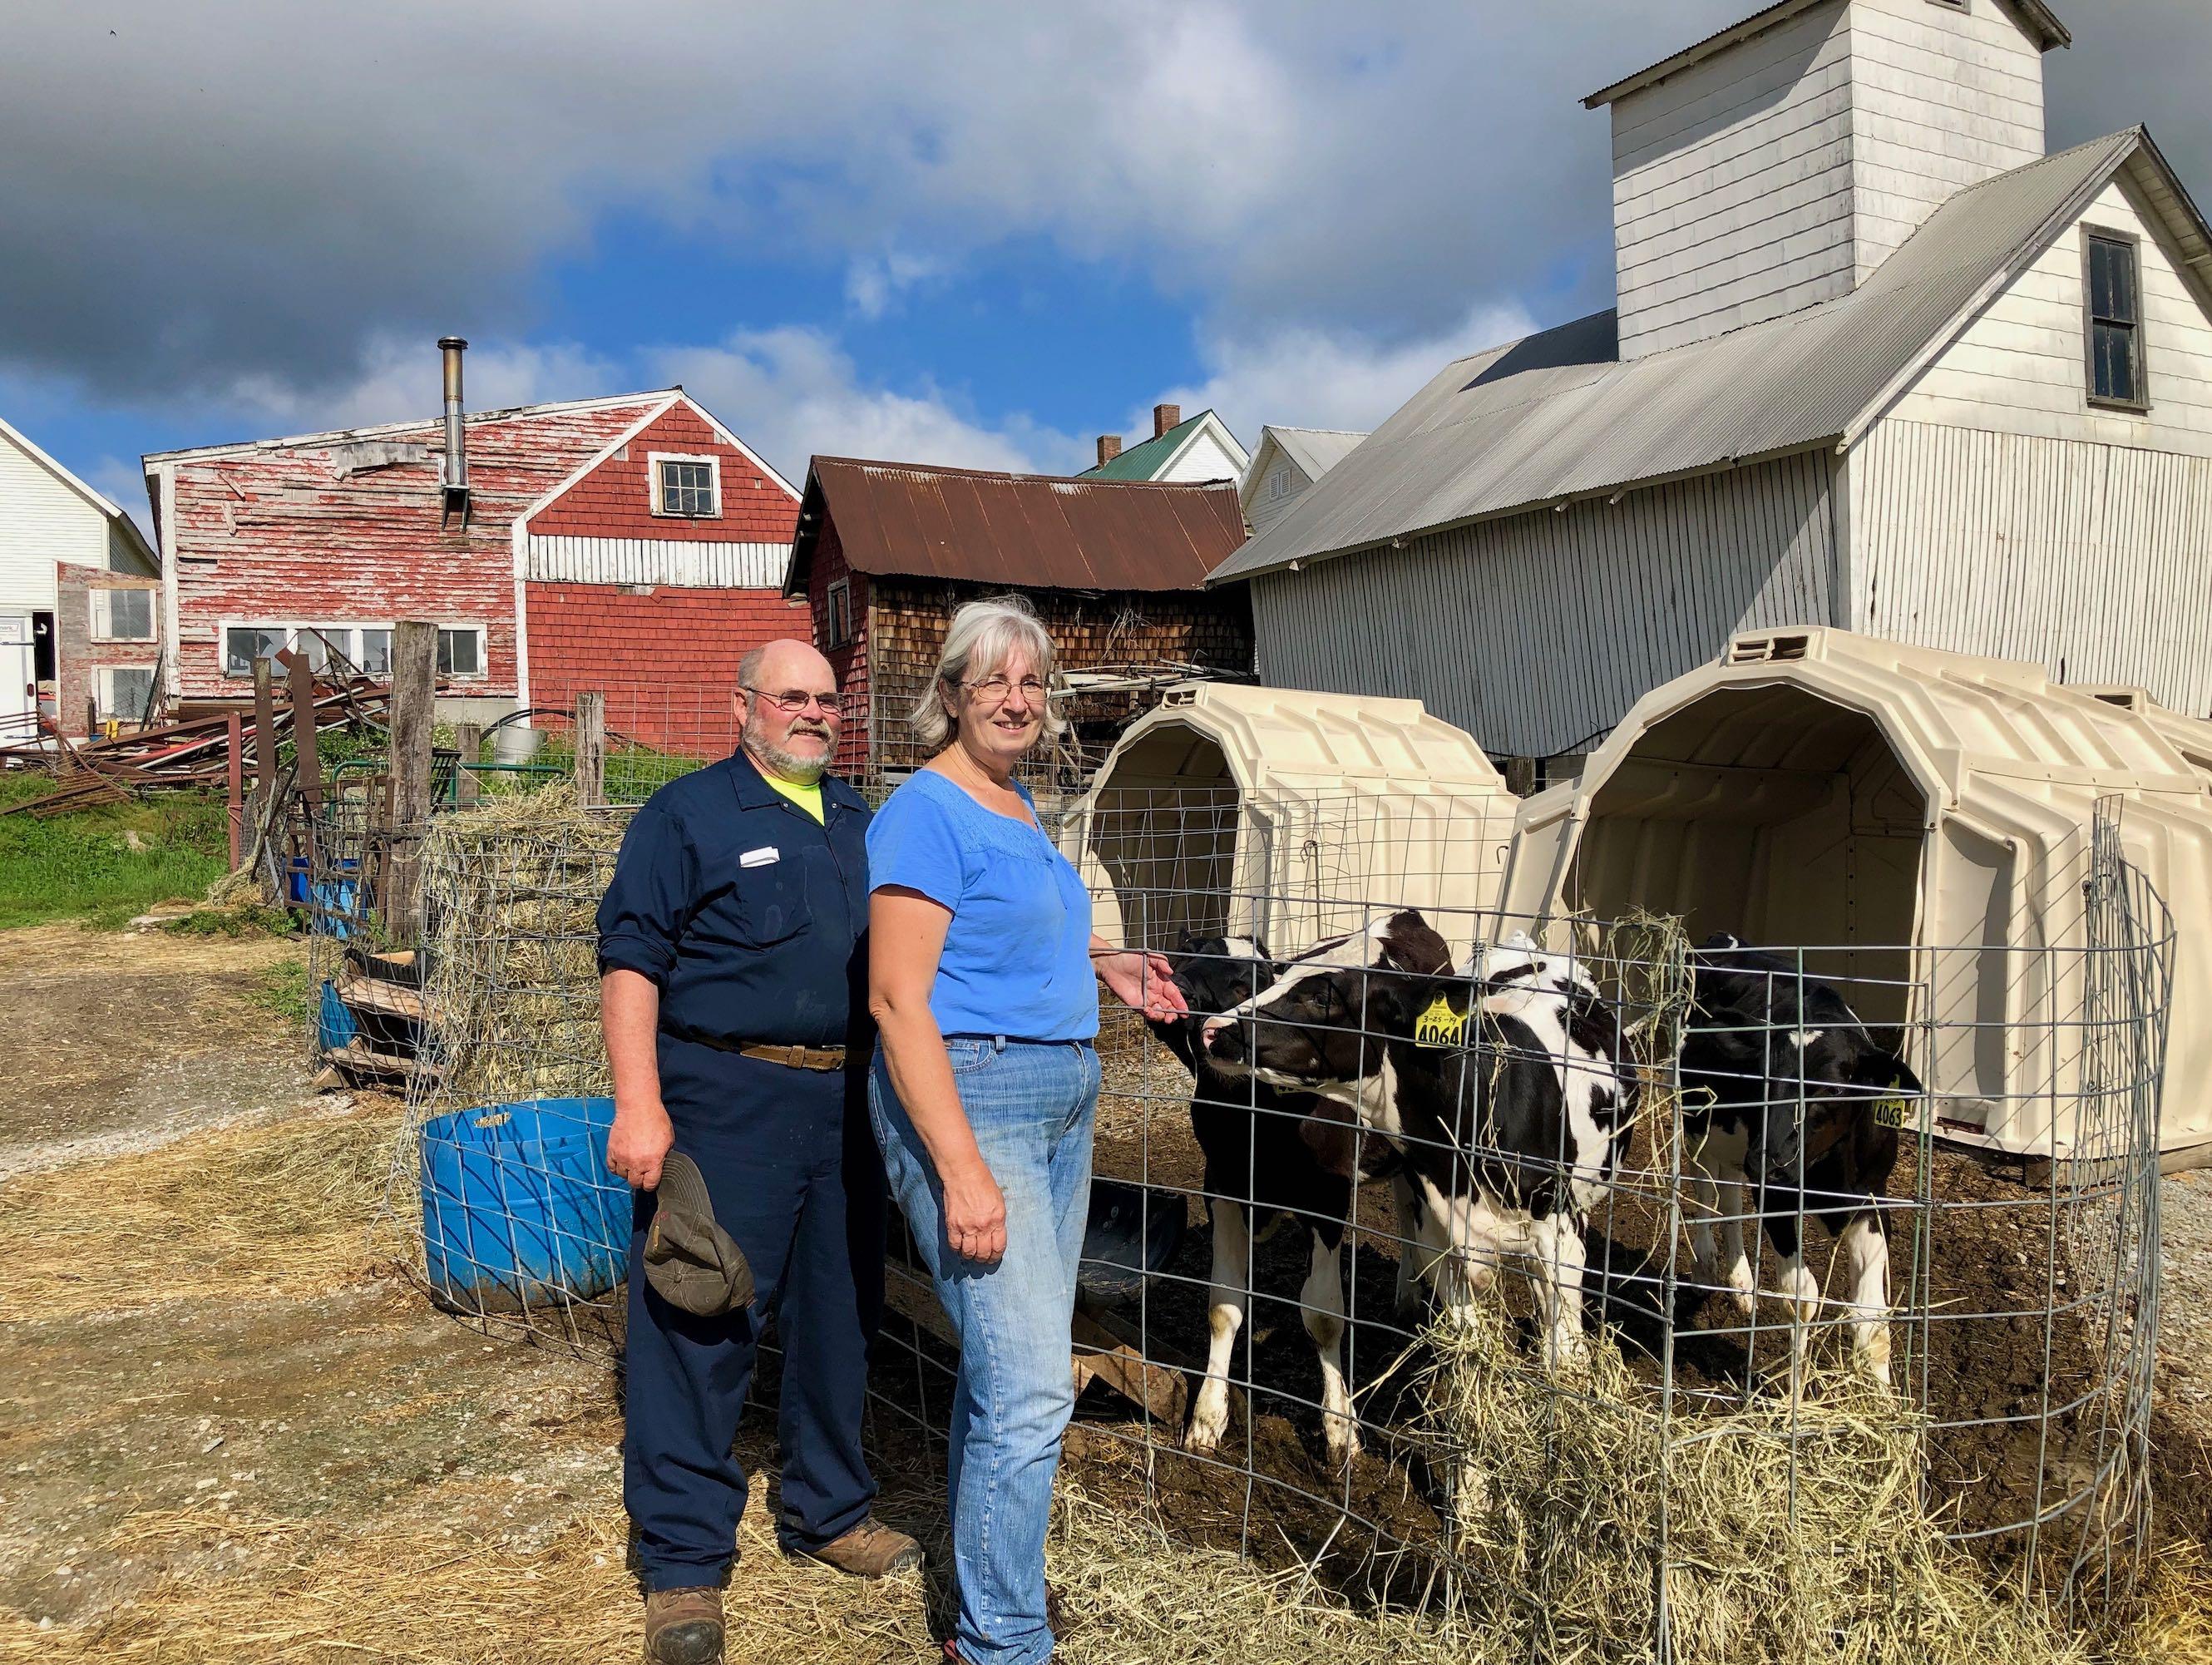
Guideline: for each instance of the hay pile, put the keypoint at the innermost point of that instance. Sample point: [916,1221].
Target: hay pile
[267,1209]
[1793,1532]
[511,890]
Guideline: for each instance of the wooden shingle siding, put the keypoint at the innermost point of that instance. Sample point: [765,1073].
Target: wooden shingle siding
[2019,368]
[615,499]
[2087,559]
[1537,632]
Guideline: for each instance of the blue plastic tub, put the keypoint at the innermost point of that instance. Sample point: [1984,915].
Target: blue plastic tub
[332,905]
[335,1026]
[518,1210]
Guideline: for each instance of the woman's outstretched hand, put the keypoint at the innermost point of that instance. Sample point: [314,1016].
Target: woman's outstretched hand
[975,1214]
[1143,982]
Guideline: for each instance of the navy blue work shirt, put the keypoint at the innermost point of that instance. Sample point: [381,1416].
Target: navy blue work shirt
[750,916]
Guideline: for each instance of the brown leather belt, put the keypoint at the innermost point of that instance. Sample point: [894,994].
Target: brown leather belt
[799,1058]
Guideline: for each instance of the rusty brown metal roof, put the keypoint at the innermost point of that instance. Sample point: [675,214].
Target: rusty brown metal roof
[1035,530]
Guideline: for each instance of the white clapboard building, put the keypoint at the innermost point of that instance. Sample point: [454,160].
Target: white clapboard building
[57,537]
[1877,362]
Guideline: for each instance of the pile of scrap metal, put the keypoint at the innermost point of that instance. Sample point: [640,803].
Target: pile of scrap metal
[204,750]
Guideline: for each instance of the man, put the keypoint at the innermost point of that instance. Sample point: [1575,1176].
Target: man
[733,977]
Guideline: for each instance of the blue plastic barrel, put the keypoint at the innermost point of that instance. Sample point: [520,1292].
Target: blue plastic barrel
[295,879]
[518,1210]
[335,1025]
[333,903]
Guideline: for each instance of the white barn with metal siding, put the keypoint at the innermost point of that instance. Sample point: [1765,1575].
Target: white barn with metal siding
[1923,421]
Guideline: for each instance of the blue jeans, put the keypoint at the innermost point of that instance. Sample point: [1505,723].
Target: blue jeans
[1031,1105]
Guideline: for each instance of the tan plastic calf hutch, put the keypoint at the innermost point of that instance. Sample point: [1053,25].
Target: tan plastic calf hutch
[1921,824]
[1285,815]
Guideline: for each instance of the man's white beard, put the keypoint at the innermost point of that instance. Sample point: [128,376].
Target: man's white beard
[806,771]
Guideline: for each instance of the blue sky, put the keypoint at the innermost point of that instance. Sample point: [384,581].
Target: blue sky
[974,234]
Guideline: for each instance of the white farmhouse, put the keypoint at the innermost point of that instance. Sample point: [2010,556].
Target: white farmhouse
[50,520]
[1188,451]
[1288,460]
[1877,362]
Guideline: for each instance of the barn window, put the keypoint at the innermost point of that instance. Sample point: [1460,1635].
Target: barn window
[375,657]
[839,626]
[2114,322]
[127,689]
[242,644]
[687,486]
[123,615]
[461,651]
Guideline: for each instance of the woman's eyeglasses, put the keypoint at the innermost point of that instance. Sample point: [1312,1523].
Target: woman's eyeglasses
[995,689]
[796,701]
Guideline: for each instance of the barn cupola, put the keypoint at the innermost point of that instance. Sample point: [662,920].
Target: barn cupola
[1779,163]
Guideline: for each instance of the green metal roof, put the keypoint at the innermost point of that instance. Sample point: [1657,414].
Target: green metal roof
[1143,462]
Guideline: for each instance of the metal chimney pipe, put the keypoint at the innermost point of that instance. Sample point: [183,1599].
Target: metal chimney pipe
[454,476]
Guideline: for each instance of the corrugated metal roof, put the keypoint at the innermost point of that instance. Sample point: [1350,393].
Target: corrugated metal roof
[1143,462]
[1557,416]
[2040,22]
[1316,450]
[1037,531]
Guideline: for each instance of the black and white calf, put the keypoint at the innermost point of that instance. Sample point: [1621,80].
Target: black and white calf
[1790,1109]
[1270,1154]
[1502,1090]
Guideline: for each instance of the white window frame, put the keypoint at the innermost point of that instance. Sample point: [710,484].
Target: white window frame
[653,462]
[483,652]
[103,615]
[345,636]
[106,686]
[840,589]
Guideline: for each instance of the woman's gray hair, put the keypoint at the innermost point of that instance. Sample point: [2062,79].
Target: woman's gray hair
[985,635]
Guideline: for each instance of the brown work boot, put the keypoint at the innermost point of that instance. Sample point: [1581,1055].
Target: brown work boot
[683,1626]
[870,1550]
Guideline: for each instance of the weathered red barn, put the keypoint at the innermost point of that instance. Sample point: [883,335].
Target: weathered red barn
[632,544]
[1115,568]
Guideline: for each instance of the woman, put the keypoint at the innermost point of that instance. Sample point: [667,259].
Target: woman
[983,974]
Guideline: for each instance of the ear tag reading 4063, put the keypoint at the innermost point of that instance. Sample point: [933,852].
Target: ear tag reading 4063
[1439,1026]
[1892,1112]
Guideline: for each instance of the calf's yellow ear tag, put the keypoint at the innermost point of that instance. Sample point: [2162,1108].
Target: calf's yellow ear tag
[1892,1112]
[1439,1026]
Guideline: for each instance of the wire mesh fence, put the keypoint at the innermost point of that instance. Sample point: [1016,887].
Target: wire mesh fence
[1580,1283]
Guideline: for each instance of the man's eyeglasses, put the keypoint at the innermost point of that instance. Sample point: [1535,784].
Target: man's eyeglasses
[795,701]
[995,689]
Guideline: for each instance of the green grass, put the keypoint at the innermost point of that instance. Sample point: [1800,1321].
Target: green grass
[284,993]
[82,865]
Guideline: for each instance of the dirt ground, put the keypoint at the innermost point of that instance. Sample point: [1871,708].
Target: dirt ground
[282,1453]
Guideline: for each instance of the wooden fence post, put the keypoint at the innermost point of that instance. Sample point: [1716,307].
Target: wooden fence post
[307,759]
[591,750]
[414,695]
[234,781]
[265,739]
[468,740]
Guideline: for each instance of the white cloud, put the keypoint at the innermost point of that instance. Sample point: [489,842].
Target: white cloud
[402,380]
[875,284]
[121,483]
[1304,377]
[793,392]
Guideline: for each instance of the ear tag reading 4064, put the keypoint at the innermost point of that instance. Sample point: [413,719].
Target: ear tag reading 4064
[1892,1112]
[1439,1026]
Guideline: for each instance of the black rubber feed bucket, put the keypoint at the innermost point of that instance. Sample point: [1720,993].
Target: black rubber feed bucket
[1132,1231]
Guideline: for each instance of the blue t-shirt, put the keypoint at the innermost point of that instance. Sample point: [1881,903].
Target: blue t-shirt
[1017,958]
